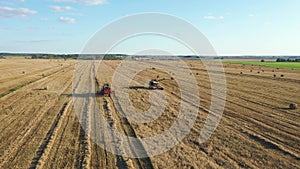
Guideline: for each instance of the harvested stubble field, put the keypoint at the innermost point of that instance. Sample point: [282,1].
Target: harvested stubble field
[39,127]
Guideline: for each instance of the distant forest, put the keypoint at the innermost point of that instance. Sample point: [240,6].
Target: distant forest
[63,56]
[287,60]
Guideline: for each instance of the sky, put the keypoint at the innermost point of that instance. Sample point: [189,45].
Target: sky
[233,27]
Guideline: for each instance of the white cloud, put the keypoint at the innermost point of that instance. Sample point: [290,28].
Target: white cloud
[67,20]
[44,19]
[76,14]
[211,17]
[251,15]
[61,8]
[84,2]
[33,41]
[6,3]
[7,12]
[12,2]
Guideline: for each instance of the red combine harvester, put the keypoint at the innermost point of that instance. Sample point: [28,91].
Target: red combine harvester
[105,91]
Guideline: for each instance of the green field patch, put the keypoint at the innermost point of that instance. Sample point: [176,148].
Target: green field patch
[286,65]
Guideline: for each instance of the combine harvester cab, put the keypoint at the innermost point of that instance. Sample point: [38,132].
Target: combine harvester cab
[105,91]
[153,85]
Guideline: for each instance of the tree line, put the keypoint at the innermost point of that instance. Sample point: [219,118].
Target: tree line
[287,60]
[64,56]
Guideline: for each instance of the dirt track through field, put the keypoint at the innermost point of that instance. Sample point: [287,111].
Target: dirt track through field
[128,130]
[108,111]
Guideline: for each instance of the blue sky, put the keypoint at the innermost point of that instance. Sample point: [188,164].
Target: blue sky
[234,27]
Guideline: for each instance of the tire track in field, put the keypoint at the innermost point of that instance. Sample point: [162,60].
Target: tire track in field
[116,119]
[249,75]
[268,143]
[109,160]
[267,125]
[235,115]
[60,140]
[119,160]
[18,143]
[51,135]
[263,130]
[143,163]
[104,159]
[256,120]
[127,128]
[261,116]
[85,149]
[28,133]
[28,83]
[14,149]
[238,95]
[285,151]
[84,140]
[171,67]
[38,81]
[251,100]
[23,79]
